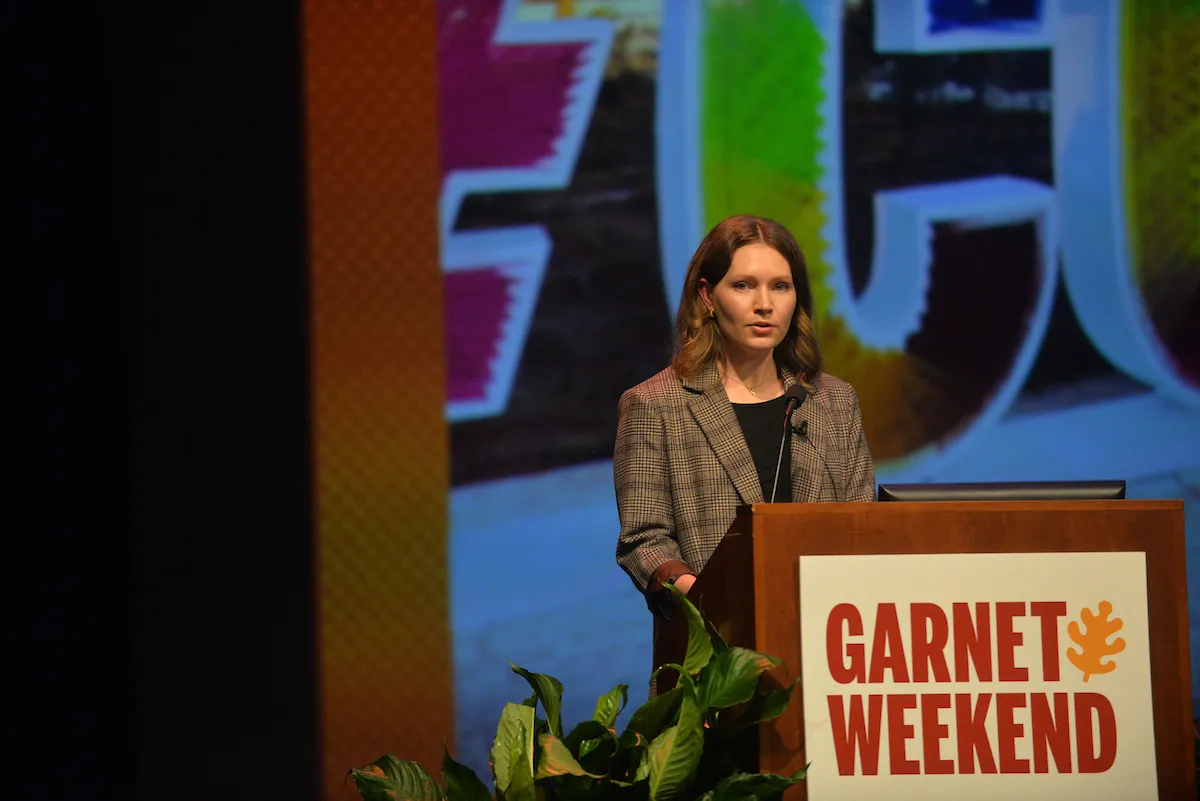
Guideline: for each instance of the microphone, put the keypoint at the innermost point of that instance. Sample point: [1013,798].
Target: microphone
[795,395]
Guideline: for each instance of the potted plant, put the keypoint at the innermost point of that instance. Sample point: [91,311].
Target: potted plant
[683,744]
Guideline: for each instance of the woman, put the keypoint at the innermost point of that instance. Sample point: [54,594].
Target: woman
[704,436]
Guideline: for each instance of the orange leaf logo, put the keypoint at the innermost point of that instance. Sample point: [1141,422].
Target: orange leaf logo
[1093,643]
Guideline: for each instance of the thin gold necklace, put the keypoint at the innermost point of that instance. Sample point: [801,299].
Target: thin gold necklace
[753,390]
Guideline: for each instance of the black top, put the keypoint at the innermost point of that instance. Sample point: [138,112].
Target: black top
[762,425]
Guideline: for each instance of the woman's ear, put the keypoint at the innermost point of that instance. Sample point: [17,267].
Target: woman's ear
[703,288]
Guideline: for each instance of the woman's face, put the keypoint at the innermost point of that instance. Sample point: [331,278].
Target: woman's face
[755,302]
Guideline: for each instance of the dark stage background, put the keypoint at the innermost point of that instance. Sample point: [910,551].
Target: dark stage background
[161,588]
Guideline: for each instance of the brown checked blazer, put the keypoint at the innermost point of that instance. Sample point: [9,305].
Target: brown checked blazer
[681,467]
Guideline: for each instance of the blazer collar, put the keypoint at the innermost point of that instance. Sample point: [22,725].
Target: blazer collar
[812,457]
[812,472]
[714,414]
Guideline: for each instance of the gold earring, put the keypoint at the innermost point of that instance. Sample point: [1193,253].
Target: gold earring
[712,313]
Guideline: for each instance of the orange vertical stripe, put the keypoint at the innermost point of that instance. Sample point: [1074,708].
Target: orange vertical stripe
[381,448]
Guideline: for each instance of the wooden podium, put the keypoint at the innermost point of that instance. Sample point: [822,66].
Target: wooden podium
[751,591]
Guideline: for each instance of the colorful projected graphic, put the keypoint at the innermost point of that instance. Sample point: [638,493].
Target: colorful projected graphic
[1160,121]
[784,157]
[1128,123]
[772,133]
[531,87]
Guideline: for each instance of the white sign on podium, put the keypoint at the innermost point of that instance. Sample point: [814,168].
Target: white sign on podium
[979,676]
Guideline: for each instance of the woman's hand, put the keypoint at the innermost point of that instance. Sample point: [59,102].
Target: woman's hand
[684,583]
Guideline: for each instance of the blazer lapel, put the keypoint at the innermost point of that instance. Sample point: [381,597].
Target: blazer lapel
[714,414]
[812,477]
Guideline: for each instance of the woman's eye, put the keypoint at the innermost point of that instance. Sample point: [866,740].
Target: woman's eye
[741,285]
[782,286]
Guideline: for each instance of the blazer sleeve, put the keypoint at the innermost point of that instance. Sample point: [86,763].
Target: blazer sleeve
[860,468]
[647,541]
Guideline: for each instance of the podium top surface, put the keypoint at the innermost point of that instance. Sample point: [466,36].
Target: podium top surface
[911,507]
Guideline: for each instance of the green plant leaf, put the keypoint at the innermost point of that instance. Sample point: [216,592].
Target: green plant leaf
[673,755]
[392,779]
[610,705]
[699,648]
[540,726]
[732,676]
[718,642]
[631,746]
[632,739]
[598,747]
[556,760]
[643,770]
[597,755]
[516,724]
[656,714]
[549,691]
[520,784]
[766,706]
[683,676]
[593,745]
[742,786]
[583,732]
[461,782]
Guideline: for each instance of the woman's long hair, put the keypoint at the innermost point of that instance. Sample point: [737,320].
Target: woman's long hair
[698,341]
